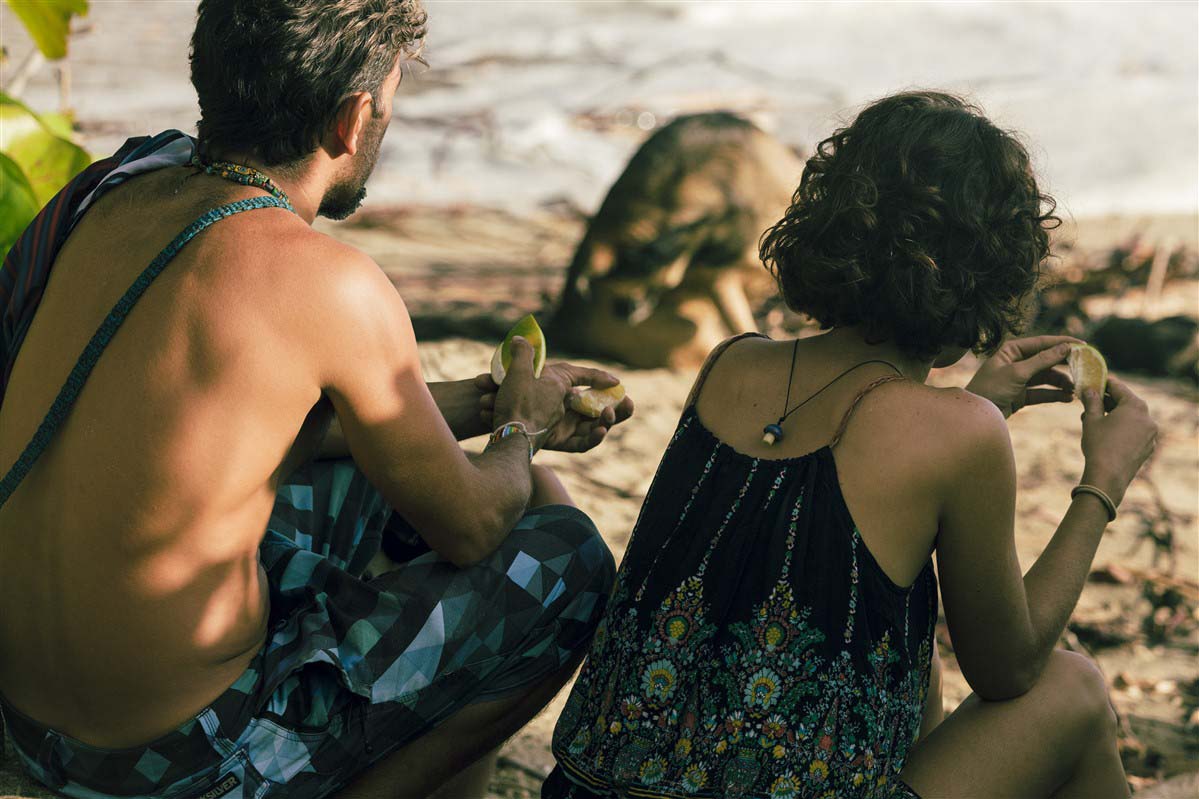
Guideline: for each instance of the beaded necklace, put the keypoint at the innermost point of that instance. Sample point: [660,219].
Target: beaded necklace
[240,173]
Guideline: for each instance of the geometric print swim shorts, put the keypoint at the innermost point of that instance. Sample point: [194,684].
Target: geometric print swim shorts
[353,668]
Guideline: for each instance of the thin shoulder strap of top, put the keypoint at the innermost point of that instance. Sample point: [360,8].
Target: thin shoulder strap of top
[871,386]
[711,361]
[91,354]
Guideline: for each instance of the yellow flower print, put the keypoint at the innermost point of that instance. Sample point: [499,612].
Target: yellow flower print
[819,770]
[658,679]
[695,778]
[652,770]
[785,786]
[761,689]
[778,752]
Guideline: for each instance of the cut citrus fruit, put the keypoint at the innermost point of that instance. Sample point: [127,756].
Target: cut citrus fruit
[527,329]
[1087,369]
[592,401]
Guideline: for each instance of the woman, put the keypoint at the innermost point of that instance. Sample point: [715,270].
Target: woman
[771,633]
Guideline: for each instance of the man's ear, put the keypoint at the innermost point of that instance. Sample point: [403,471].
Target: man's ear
[345,134]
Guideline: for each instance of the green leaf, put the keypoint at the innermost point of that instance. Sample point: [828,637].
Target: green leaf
[47,159]
[48,22]
[18,205]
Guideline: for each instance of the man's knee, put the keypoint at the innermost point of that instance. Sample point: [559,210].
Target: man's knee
[576,537]
[580,565]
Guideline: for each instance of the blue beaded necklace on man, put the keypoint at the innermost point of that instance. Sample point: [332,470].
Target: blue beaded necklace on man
[240,173]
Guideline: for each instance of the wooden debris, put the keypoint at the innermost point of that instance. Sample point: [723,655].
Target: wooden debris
[1113,574]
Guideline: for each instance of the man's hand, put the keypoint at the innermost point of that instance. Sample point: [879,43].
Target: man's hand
[575,432]
[1021,373]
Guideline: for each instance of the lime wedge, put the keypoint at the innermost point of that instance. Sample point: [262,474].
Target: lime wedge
[1087,369]
[529,330]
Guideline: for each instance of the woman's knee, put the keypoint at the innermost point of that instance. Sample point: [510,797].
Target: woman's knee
[1075,682]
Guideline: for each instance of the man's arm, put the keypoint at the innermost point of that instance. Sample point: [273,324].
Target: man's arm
[361,350]
[458,401]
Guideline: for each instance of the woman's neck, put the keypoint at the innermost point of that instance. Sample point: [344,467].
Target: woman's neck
[851,342]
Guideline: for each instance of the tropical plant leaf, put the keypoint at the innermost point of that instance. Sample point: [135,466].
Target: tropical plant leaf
[18,205]
[48,22]
[47,159]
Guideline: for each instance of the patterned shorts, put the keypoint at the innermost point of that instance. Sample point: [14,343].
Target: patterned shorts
[354,668]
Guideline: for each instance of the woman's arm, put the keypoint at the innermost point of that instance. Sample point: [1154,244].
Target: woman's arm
[458,401]
[1004,625]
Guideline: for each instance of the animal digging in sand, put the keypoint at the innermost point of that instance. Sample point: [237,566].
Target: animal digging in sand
[669,264]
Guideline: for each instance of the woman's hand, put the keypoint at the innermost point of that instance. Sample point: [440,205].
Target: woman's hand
[1021,373]
[1115,445]
[573,432]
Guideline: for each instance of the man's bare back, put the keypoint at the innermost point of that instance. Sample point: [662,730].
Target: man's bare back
[133,590]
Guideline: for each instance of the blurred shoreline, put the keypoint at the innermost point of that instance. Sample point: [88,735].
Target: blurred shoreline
[529,104]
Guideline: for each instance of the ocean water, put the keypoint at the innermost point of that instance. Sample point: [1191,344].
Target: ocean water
[528,103]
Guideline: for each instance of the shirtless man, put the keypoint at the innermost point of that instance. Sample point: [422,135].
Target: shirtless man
[153,641]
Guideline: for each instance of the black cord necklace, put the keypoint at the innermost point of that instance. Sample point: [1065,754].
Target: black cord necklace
[773,433]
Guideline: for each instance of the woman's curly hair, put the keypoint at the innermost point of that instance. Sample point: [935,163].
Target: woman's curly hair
[921,223]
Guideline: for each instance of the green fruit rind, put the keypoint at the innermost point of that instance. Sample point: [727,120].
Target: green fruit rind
[528,329]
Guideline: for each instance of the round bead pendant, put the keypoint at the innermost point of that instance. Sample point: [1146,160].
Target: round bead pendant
[771,434]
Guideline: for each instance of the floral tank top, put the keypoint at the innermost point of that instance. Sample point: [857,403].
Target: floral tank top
[752,646]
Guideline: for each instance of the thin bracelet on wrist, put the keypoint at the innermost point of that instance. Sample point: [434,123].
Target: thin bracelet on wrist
[512,428]
[1084,488]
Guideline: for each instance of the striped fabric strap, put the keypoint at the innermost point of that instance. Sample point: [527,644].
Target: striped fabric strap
[103,335]
[26,268]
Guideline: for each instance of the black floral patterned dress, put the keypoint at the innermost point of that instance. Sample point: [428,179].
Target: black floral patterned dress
[752,647]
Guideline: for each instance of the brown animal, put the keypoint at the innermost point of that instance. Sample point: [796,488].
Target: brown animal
[1166,348]
[669,264]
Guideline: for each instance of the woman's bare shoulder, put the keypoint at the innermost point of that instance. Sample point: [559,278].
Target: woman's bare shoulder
[941,428]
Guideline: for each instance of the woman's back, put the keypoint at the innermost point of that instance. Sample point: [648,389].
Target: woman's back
[754,645]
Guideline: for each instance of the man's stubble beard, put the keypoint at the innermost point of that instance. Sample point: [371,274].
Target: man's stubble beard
[344,198]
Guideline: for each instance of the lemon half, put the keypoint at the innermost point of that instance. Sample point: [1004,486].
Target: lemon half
[1087,369]
[528,329]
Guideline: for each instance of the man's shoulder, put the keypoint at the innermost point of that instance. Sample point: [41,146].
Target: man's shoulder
[303,248]
[305,262]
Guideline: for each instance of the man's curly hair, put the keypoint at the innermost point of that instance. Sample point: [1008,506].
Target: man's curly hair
[271,74]
[921,223]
